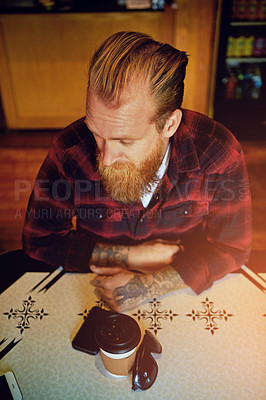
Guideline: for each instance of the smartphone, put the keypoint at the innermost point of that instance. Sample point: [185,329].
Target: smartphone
[85,337]
[9,389]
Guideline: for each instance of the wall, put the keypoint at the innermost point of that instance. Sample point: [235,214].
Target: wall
[44,58]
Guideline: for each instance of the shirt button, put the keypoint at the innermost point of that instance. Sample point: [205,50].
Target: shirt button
[141,220]
[186,212]
[100,216]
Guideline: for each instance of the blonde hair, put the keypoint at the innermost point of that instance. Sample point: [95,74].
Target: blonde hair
[132,56]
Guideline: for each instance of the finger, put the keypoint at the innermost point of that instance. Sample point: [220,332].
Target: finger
[173,242]
[181,248]
[111,303]
[108,298]
[107,271]
[97,282]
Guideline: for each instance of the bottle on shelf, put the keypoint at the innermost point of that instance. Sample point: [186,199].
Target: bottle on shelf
[230,83]
[241,7]
[240,83]
[248,46]
[243,82]
[240,46]
[230,49]
[261,10]
[258,48]
[249,10]
[252,10]
[257,83]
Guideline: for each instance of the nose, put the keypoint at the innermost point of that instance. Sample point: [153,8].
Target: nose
[109,154]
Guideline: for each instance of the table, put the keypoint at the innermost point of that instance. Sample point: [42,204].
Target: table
[213,344]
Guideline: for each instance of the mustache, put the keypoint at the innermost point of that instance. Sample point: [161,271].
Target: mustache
[116,166]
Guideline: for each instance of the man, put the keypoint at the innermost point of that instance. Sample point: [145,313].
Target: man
[160,194]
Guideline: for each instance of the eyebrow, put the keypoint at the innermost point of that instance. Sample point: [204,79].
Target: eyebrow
[119,138]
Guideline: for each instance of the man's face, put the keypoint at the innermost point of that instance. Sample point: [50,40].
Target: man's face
[130,147]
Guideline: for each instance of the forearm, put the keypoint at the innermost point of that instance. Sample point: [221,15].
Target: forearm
[109,255]
[142,287]
[148,256]
[72,251]
[224,244]
[203,264]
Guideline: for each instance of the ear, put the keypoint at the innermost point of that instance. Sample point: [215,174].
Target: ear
[172,123]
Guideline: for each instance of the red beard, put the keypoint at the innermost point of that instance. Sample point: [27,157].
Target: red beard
[126,183]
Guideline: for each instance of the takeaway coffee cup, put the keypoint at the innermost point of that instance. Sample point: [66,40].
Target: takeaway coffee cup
[118,337]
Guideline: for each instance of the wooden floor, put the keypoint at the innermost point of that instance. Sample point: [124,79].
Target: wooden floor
[21,157]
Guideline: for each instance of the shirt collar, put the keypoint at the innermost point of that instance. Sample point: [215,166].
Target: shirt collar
[146,198]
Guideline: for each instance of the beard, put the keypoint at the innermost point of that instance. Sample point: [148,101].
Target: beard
[126,183]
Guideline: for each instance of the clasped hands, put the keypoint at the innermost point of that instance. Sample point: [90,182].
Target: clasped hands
[126,286]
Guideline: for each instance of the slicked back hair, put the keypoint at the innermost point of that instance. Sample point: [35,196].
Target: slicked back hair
[127,57]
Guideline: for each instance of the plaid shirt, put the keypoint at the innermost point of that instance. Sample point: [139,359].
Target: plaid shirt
[204,200]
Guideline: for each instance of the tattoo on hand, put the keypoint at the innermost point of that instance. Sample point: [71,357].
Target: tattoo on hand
[146,286]
[133,289]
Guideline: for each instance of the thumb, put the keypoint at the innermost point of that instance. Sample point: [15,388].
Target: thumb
[105,270]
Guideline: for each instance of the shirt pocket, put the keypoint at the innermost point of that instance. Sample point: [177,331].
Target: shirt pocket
[184,216]
[99,214]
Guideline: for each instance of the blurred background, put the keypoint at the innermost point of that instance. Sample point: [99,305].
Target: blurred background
[45,48]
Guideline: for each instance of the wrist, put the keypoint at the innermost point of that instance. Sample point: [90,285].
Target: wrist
[110,255]
[132,257]
[167,280]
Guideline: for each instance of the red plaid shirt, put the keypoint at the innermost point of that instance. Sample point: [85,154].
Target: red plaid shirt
[204,200]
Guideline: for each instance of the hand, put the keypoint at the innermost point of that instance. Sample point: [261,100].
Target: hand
[120,288]
[153,255]
[123,290]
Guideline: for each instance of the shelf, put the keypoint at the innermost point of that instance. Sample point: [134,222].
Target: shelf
[241,60]
[248,23]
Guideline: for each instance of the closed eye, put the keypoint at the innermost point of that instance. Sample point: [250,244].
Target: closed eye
[126,142]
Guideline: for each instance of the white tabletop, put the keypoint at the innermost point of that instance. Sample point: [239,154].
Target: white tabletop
[213,344]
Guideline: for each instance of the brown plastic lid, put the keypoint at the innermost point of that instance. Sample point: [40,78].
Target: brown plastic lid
[118,333]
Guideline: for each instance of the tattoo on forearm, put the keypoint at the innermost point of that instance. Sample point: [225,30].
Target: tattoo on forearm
[110,255]
[143,287]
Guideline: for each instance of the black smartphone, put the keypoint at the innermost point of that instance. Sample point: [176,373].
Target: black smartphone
[85,337]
